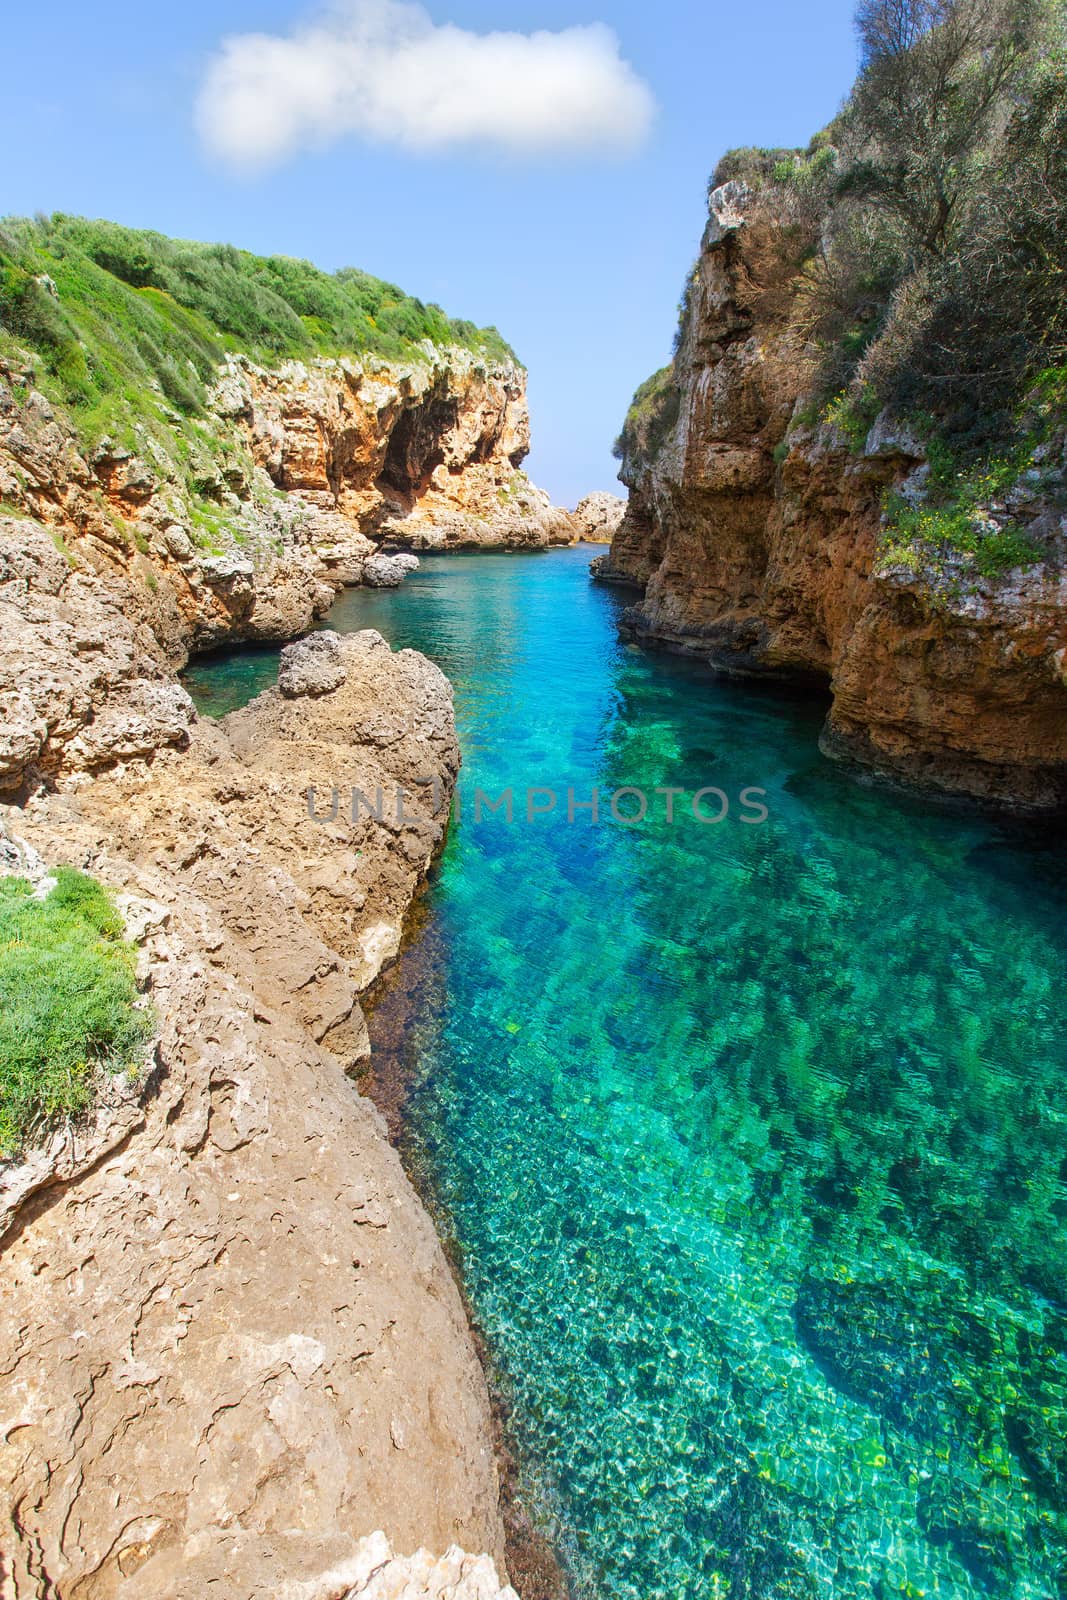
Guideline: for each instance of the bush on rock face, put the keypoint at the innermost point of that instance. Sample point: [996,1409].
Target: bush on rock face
[68,1002]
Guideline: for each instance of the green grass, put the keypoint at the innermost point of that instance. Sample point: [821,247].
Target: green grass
[68,1003]
[129,327]
[965,487]
[853,414]
[920,536]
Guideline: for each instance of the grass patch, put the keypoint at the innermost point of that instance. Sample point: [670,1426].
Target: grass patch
[129,328]
[955,518]
[68,1003]
[516,487]
[920,536]
[853,414]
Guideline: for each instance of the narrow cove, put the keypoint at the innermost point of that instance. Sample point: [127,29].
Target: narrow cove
[749,1138]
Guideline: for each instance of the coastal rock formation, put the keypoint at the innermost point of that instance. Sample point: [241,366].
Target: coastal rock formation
[423,457]
[388,572]
[81,682]
[598,517]
[380,1574]
[308,471]
[755,535]
[233,1349]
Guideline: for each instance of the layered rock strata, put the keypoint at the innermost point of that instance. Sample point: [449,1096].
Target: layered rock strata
[756,538]
[235,1360]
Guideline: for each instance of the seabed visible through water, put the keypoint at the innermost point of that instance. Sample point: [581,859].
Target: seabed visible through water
[751,1139]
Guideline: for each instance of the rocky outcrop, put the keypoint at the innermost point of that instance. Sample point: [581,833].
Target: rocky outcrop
[598,517]
[233,1350]
[388,572]
[382,1575]
[421,458]
[82,683]
[756,536]
[301,476]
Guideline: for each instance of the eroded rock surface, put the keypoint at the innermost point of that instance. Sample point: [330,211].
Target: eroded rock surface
[755,538]
[598,517]
[81,681]
[378,1573]
[314,466]
[232,1347]
[388,572]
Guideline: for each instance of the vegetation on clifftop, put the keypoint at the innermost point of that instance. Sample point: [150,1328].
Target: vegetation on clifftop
[68,1002]
[936,209]
[652,414]
[931,227]
[130,324]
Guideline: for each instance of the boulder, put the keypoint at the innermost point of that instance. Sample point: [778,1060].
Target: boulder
[312,666]
[598,517]
[388,572]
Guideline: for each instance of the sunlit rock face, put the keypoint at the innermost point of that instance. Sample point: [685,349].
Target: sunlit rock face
[754,535]
[321,468]
[234,1348]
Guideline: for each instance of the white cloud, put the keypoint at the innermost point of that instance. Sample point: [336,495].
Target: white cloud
[384,70]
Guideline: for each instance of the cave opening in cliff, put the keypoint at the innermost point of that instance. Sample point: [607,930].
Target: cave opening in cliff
[415,448]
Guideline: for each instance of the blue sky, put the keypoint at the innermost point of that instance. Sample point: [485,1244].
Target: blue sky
[577,256]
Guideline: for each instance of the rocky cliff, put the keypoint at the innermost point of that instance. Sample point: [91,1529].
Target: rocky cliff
[235,1358]
[315,468]
[757,535]
[237,436]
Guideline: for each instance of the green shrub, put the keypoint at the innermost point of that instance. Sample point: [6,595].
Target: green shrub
[138,324]
[937,203]
[918,535]
[653,413]
[68,1003]
[954,518]
[853,414]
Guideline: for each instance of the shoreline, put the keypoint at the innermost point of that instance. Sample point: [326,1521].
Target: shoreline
[241,1284]
[392,1006]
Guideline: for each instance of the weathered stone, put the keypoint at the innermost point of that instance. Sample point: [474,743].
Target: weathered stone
[312,666]
[224,1304]
[345,457]
[598,517]
[756,541]
[388,572]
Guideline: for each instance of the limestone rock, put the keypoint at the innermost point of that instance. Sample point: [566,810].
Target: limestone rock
[326,461]
[223,1301]
[380,1574]
[598,517]
[728,208]
[766,561]
[312,666]
[139,720]
[22,736]
[388,571]
[75,682]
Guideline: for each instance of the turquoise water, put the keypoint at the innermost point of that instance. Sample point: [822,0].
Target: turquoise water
[752,1138]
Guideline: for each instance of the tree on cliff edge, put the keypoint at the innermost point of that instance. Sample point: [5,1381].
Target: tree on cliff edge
[932,96]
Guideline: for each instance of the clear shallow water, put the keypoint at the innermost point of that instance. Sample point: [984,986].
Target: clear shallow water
[753,1139]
